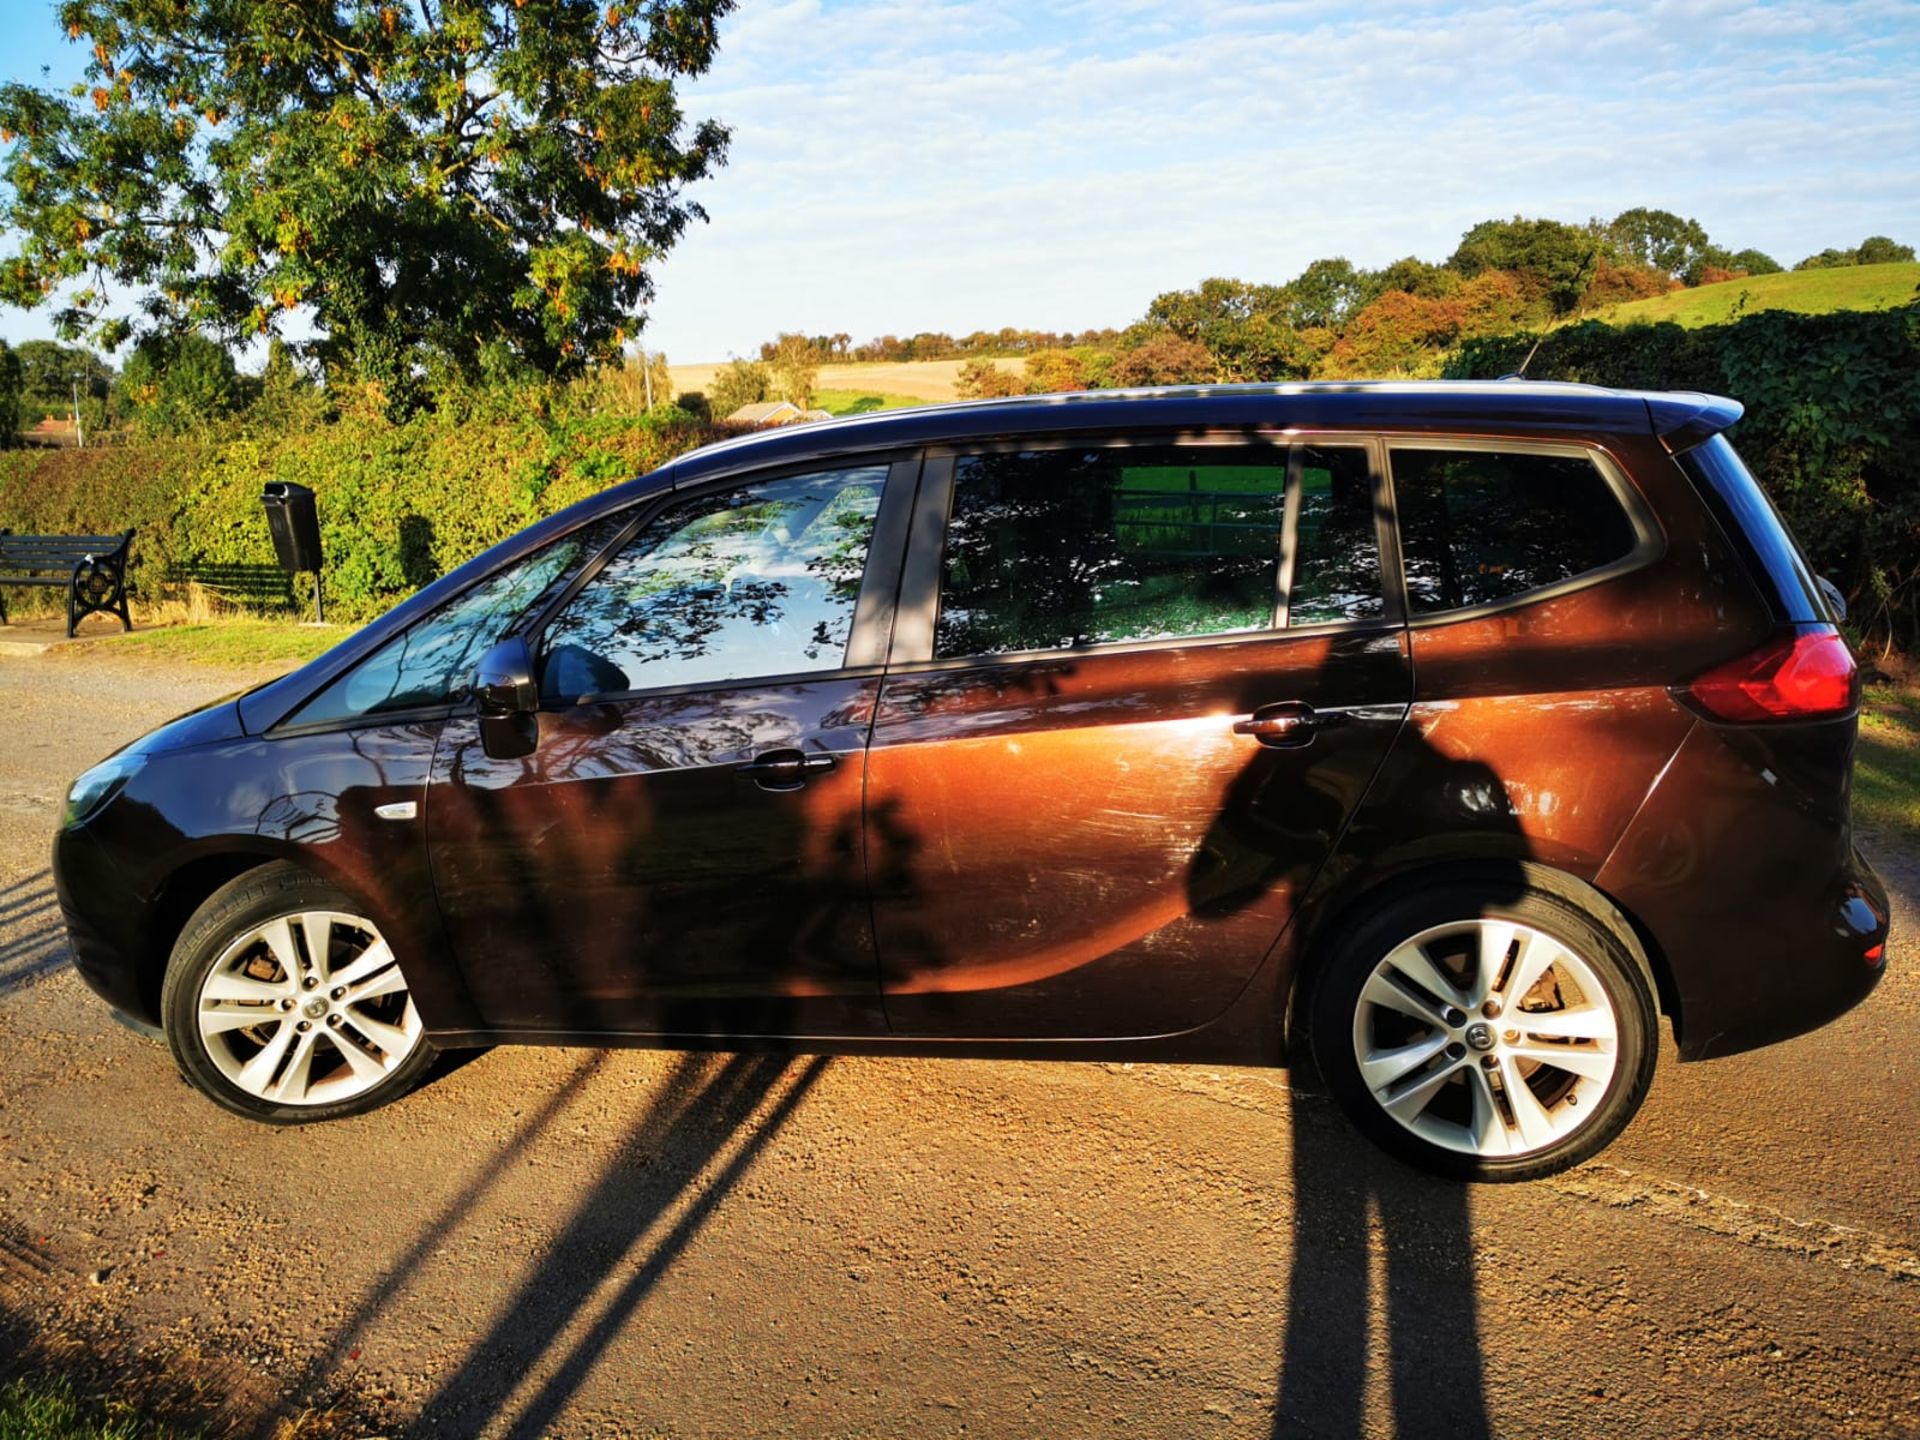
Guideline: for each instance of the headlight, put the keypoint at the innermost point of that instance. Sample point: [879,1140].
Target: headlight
[100,784]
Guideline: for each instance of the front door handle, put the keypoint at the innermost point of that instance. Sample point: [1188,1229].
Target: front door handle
[1285,726]
[785,769]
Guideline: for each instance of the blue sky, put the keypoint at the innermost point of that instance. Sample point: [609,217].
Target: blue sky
[904,165]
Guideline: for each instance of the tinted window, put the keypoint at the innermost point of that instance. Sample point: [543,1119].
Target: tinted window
[430,663]
[1057,548]
[739,585]
[1477,526]
[1336,566]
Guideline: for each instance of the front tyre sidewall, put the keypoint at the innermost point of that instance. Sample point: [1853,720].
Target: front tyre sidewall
[262,895]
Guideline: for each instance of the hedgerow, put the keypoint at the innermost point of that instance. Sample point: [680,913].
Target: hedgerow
[399,503]
[1832,428]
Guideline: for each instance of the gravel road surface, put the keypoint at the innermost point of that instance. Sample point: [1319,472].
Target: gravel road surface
[582,1243]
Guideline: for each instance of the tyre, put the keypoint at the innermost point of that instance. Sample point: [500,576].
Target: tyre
[283,1003]
[1486,1032]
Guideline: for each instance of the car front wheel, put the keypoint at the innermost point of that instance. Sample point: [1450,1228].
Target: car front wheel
[284,1003]
[1489,1039]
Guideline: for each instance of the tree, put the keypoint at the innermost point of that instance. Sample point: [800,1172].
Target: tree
[1882,250]
[1552,260]
[795,365]
[981,379]
[174,383]
[1413,275]
[1164,358]
[742,382]
[10,387]
[431,176]
[1754,262]
[47,373]
[1325,294]
[1052,372]
[1660,240]
[1246,330]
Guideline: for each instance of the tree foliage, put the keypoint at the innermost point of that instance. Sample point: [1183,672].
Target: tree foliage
[173,383]
[1553,260]
[1874,250]
[442,175]
[10,387]
[795,367]
[740,382]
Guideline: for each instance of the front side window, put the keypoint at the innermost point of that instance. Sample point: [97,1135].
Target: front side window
[1052,549]
[742,584]
[1480,526]
[429,663]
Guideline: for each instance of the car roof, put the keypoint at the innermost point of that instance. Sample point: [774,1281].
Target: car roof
[1680,418]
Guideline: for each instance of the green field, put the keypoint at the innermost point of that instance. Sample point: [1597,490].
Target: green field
[1810,292]
[862,402]
[223,642]
[1886,769]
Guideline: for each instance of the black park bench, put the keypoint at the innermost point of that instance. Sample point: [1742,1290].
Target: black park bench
[92,569]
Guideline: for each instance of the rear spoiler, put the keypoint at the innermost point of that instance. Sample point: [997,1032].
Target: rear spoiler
[1684,419]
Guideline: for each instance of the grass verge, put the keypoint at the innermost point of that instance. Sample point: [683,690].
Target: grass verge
[40,1409]
[1886,767]
[232,643]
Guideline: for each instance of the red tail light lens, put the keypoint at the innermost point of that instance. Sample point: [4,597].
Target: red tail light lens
[1797,675]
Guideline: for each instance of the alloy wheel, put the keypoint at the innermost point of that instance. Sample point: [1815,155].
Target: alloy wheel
[1487,1037]
[307,1009]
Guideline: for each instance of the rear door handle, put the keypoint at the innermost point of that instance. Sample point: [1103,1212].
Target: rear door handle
[785,769]
[1287,725]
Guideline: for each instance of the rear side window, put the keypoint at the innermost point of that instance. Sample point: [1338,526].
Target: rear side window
[1053,549]
[1478,526]
[1756,530]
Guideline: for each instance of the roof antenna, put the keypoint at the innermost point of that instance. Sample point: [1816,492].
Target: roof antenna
[1521,373]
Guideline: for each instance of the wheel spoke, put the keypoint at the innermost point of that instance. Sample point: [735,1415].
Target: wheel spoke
[255,1074]
[1582,1022]
[1534,1125]
[1496,939]
[219,1016]
[1382,991]
[363,1064]
[1384,1067]
[368,962]
[279,937]
[1583,1060]
[292,1085]
[1407,1106]
[1412,962]
[227,985]
[1489,1130]
[390,1038]
[318,928]
[1537,954]
[388,982]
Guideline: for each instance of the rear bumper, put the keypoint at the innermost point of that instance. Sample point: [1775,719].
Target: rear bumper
[1741,868]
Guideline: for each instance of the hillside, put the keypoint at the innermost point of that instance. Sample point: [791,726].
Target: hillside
[1810,292]
[926,380]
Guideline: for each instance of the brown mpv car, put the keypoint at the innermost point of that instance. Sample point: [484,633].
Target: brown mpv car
[1456,731]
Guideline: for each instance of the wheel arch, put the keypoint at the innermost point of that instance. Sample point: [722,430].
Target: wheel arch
[1332,915]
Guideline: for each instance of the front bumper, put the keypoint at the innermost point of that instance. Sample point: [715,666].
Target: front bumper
[105,922]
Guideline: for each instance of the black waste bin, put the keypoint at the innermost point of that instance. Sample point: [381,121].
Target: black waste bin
[295,525]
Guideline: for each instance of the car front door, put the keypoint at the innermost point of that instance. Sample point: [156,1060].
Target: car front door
[1136,689]
[680,852]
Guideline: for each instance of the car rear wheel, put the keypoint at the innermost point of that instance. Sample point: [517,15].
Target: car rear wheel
[1481,1038]
[284,1003]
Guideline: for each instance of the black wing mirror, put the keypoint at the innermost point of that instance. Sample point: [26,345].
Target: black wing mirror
[507,699]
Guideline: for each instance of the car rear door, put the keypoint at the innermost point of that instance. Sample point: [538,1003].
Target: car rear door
[1137,686]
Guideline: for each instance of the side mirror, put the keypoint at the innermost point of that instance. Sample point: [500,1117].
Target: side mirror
[507,700]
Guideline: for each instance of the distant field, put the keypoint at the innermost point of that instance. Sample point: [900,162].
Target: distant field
[1811,292]
[913,382]
[863,402]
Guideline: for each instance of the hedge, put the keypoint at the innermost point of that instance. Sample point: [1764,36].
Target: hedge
[1832,428]
[399,504]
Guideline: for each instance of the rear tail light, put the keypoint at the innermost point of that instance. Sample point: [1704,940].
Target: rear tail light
[1801,674]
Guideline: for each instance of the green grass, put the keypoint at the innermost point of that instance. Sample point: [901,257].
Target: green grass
[862,402]
[1886,769]
[1810,292]
[49,1410]
[229,642]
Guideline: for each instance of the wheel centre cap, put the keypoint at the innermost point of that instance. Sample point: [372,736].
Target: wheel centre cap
[317,1007]
[1480,1035]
